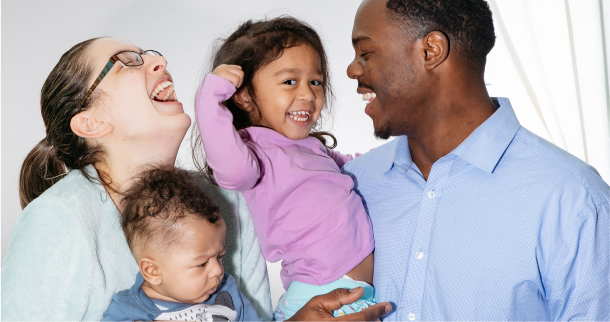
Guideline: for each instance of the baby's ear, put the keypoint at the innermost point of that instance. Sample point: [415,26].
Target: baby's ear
[243,100]
[149,268]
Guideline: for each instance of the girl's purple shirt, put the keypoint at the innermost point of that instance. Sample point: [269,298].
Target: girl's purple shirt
[304,210]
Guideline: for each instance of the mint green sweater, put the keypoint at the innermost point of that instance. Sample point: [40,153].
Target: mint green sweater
[67,254]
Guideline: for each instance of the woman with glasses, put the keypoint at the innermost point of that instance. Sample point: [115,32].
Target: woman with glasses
[109,110]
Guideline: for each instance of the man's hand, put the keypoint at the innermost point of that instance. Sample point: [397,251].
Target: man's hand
[321,307]
[232,73]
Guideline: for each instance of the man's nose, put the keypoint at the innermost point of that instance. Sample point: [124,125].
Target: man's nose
[354,69]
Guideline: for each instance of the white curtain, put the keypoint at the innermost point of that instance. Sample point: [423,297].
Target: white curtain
[551,59]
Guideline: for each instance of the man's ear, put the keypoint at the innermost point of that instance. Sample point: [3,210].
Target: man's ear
[150,271]
[436,49]
[85,125]
[243,100]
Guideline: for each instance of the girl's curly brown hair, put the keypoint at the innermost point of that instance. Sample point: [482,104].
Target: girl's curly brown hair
[156,203]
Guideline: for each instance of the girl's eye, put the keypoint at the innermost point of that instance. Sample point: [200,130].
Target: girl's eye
[290,82]
[316,83]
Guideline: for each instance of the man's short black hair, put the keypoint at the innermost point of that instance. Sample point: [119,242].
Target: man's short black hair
[467,23]
[156,203]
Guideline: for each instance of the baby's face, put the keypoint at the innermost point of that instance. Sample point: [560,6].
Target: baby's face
[193,270]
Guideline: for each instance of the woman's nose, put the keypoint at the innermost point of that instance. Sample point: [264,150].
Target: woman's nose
[155,64]
[354,69]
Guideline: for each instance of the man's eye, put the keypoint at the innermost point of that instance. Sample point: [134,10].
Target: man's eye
[316,83]
[290,82]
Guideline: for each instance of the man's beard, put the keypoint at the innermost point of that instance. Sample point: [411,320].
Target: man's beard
[383,133]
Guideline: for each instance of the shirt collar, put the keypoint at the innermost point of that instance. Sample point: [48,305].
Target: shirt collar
[483,148]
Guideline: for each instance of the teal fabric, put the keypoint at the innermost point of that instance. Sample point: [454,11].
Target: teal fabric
[67,255]
[300,293]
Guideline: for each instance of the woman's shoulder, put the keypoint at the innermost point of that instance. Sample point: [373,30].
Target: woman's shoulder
[62,205]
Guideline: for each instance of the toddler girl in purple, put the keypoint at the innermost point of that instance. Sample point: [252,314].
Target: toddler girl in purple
[256,113]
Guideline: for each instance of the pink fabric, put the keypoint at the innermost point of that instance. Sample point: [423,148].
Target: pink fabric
[304,210]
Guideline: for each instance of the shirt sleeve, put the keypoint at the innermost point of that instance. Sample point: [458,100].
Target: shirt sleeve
[340,159]
[578,281]
[235,166]
[47,271]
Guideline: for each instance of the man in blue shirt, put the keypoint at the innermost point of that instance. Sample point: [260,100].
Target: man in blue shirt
[475,217]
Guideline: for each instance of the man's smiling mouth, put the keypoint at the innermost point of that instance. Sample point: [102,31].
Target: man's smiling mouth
[368,97]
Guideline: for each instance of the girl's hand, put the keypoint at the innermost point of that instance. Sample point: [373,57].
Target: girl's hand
[232,73]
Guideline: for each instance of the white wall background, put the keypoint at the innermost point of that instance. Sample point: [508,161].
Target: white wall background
[36,33]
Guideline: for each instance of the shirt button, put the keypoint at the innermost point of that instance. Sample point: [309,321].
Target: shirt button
[430,194]
[411,316]
[419,255]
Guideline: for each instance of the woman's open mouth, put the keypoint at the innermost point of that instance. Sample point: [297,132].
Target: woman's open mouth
[164,92]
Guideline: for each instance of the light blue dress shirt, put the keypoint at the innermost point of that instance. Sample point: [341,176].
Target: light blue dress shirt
[507,227]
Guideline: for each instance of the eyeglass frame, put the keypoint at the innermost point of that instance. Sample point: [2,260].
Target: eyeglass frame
[109,66]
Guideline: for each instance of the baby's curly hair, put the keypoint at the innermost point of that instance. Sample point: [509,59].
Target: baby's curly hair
[156,203]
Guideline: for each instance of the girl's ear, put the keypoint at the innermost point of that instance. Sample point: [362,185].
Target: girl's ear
[243,100]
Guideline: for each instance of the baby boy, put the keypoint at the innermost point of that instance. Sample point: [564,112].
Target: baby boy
[177,237]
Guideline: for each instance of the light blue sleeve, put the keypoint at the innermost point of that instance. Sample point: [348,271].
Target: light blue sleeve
[578,281]
[47,269]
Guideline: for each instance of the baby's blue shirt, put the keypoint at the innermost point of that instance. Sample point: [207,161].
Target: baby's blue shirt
[228,302]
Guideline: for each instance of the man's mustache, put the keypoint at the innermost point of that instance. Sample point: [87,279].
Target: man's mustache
[362,85]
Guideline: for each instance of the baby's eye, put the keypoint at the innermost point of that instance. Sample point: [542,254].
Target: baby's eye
[220,257]
[290,82]
[203,265]
[316,83]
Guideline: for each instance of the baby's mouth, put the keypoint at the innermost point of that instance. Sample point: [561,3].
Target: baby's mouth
[368,97]
[300,116]
[164,92]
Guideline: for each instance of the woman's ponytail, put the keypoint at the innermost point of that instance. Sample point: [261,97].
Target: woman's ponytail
[40,170]
[61,151]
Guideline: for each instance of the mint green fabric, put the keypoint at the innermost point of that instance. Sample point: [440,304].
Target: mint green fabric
[298,294]
[67,254]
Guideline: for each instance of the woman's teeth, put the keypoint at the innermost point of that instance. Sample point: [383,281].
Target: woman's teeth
[368,97]
[297,115]
[169,93]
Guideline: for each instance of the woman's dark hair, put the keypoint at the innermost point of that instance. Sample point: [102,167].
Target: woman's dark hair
[157,201]
[61,150]
[252,46]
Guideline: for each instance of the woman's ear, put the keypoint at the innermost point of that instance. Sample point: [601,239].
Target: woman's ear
[436,49]
[150,271]
[243,100]
[85,125]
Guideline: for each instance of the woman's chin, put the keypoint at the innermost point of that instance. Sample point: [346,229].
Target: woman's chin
[169,108]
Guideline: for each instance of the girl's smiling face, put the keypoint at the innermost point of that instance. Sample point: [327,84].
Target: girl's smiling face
[289,92]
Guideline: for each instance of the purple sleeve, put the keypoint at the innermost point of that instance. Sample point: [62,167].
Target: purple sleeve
[340,159]
[235,166]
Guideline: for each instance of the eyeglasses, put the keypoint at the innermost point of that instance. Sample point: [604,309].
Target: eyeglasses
[126,58]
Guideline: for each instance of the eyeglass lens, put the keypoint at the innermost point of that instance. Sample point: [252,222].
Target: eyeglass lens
[130,58]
